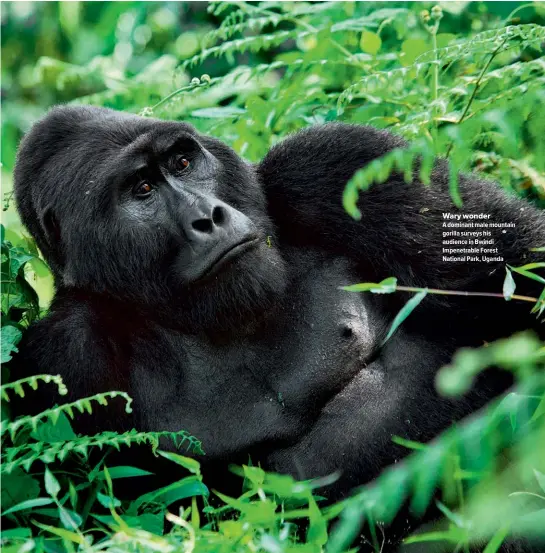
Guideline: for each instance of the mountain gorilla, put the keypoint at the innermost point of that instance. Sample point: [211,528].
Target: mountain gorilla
[208,288]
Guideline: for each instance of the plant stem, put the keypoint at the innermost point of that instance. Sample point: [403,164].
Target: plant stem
[474,93]
[464,293]
[524,6]
[435,72]
[180,90]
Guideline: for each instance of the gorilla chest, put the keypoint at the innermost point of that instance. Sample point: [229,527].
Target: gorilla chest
[319,339]
[270,381]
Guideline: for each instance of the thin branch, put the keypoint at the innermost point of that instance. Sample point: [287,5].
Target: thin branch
[477,85]
[464,293]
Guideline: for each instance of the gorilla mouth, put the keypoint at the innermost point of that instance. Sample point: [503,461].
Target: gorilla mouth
[228,255]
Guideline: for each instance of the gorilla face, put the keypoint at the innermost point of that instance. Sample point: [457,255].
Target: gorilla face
[125,200]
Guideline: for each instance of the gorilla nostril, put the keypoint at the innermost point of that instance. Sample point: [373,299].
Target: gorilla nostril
[218,215]
[203,225]
[346,332]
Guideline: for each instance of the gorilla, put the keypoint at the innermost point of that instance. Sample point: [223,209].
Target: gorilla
[209,288]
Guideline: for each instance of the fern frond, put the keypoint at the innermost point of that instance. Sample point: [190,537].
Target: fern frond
[254,18]
[521,36]
[402,160]
[483,43]
[27,454]
[519,70]
[376,80]
[233,25]
[249,73]
[506,96]
[217,8]
[82,405]
[249,44]
[33,382]
[372,19]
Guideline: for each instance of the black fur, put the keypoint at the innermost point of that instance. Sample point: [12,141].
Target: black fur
[266,357]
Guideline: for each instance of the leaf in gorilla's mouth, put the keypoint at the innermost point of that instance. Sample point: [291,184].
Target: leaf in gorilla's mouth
[228,255]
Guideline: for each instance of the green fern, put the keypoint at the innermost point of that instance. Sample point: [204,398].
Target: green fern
[401,160]
[82,405]
[27,454]
[483,43]
[237,23]
[33,382]
[512,36]
[248,44]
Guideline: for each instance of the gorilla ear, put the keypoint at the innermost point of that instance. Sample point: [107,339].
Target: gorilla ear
[51,228]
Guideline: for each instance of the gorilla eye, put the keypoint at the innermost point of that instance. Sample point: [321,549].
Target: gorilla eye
[181,163]
[142,189]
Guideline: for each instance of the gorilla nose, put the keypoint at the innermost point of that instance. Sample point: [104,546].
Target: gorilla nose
[217,233]
[207,225]
[210,223]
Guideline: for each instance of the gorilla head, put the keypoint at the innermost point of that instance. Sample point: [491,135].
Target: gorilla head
[149,211]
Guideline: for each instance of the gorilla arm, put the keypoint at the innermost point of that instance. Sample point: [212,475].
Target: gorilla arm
[400,234]
[64,343]
[401,229]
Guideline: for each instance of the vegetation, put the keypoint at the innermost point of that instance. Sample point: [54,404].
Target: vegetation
[465,81]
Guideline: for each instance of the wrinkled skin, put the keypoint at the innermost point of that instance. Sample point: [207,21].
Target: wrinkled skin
[208,289]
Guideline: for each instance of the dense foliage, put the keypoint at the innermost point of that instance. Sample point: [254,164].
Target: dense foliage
[465,81]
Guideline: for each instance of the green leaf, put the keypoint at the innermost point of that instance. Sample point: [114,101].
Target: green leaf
[40,267]
[218,112]
[10,337]
[150,522]
[531,524]
[443,39]
[52,486]
[187,487]
[188,463]
[409,444]
[405,312]
[494,544]
[539,306]
[371,20]
[317,531]
[427,470]
[125,472]
[29,504]
[540,477]
[16,534]
[453,535]
[539,412]
[528,274]
[451,515]
[370,42]
[411,49]
[61,532]
[386,286]
[508,285]
[18,257]
[50,432]
[107,501]
[530,266]
[73,494]
[17,487]
[69,519]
